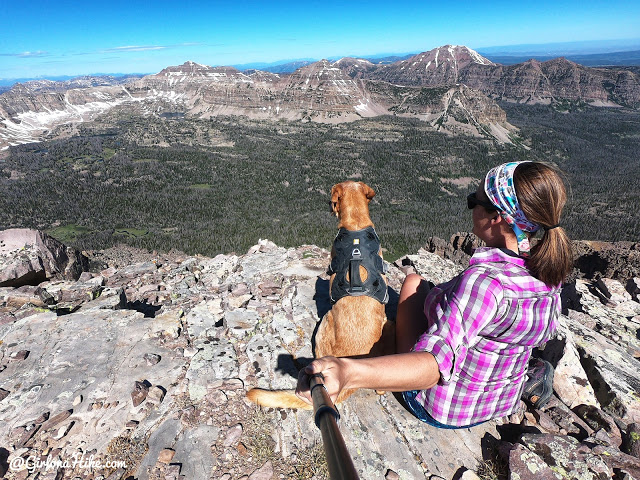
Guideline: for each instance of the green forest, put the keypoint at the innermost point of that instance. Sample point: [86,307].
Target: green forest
[217,186]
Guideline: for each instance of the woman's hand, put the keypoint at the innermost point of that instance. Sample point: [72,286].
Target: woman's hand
[335,376]
[393,373]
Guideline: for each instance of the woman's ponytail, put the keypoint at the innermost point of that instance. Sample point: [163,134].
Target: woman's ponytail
[542,196]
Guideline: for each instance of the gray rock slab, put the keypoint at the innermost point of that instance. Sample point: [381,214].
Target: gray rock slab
[215,361]
[271,362]
[240,321]
[98,355]
[283,324]
[570,382]
[138,269]
[164,436]
[168,323]
[307,305]
[221,265]
[109,299]
[380,436]
[434,268]
[443,452]
[259,264]
[21,270]
[193,451]
[203,317]
[375,442]
[302,269]
[28,255]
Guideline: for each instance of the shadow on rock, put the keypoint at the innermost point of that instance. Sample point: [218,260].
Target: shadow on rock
[511,432]
[288,365]
[148,310]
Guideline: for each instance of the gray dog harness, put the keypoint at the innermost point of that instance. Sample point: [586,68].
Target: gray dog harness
[352,250]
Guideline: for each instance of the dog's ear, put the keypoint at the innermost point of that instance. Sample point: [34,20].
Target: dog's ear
[336,193]
[368,191]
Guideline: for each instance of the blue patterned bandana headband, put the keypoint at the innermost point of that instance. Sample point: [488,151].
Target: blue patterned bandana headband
[498,185]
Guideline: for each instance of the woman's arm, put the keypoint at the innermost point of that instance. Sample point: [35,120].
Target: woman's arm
[396,373]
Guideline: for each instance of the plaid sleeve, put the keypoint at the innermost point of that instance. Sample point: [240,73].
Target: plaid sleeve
[456,316]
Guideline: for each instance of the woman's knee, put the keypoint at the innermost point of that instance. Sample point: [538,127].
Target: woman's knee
[414,284]
[411,285]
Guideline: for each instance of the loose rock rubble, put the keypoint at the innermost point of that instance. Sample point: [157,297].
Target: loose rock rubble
[139,370]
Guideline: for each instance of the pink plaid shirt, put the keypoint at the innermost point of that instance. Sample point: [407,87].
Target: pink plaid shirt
[482,326]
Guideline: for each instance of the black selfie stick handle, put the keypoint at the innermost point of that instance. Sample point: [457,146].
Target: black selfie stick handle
[326,417]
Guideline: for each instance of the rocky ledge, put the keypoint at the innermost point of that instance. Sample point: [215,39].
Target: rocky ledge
[139,371]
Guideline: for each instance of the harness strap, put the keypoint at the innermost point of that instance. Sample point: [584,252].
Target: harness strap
[355,281]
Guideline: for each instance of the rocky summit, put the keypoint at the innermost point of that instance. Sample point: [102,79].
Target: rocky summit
[135,366]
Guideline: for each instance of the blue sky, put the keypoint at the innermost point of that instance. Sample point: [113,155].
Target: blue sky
[43,38]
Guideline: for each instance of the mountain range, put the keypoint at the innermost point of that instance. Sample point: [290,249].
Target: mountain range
[453,88]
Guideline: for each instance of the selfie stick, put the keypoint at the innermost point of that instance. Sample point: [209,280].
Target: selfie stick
[326,416]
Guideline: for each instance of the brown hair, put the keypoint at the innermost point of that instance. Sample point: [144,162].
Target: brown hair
[542,196]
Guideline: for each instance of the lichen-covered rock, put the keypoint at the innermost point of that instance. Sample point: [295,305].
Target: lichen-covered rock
[527,465]
[568,457]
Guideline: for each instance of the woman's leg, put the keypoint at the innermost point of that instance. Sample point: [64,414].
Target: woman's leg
[410,319]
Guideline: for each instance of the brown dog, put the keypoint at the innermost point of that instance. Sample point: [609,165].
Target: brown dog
[354,326]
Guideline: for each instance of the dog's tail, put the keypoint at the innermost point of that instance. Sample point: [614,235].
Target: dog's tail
[276,399]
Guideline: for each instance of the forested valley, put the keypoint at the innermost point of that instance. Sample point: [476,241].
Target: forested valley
[219,185]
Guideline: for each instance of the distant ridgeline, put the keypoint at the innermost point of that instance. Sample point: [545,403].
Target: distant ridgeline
[208,160]
[324,91]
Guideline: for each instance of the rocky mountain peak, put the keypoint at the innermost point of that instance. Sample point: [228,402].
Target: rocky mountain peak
[440,66]
[187,68]
[198,70]
[355,67]
[190,73]
[459,53]
[318,73]
[34,85]
[354,61]
[447,56]
[262,76]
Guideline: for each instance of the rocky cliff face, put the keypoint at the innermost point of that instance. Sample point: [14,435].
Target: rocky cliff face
[554,80]
[27,114]
[454,109]
[145,361]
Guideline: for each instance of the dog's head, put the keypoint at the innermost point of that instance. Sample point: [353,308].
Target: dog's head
[350,202]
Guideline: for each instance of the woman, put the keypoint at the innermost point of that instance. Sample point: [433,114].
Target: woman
[463,346]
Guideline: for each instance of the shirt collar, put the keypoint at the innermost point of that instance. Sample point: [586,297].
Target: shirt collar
[493,254]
